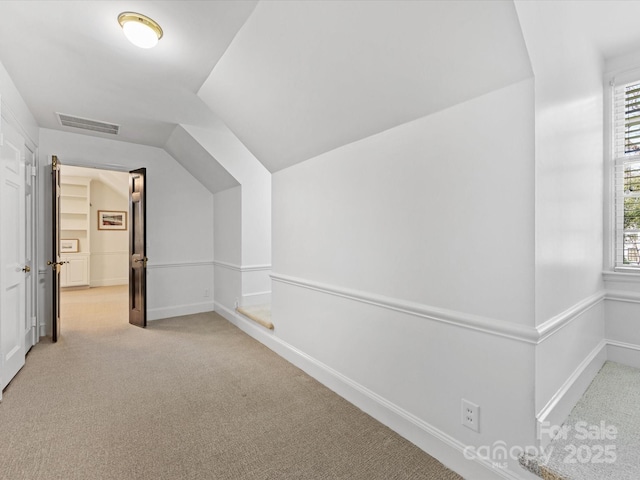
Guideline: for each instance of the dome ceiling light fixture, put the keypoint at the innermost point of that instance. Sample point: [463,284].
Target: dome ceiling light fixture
[139,29]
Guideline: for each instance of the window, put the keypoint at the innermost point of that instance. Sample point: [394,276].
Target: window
[626,144]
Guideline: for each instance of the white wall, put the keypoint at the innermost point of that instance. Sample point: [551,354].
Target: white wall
[223,145]
[109,248]
[254,213]
[569,159]
[404,268]
[420,213]
[179,218]
[14,106]
[569,199]
[227,247]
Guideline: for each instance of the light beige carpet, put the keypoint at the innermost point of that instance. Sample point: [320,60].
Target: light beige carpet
[600,439]
[258,313]
[188,398]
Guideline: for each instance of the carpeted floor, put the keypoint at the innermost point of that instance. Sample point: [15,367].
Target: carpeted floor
[601,437]
[188,398]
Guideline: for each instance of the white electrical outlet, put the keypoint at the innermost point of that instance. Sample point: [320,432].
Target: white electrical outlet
[470,415]
[237,304]
[206,292]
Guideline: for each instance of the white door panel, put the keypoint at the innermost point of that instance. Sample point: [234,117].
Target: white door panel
[12,254]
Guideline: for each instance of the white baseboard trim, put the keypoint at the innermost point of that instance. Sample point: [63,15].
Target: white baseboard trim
[558,408]
[440,445]
[178,310]
[109,282]
[622,352]
[560,405]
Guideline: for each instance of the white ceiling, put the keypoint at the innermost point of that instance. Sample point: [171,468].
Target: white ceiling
[117,181]
[305,77]
[290,78]
[72,57]
[198,161]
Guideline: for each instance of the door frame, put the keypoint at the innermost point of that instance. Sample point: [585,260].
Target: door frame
[72,163]
[31,239]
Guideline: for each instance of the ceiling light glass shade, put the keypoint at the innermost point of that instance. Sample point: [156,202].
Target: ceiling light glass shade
[139,29]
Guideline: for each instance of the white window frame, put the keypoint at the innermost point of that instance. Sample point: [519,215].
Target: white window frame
[612,234]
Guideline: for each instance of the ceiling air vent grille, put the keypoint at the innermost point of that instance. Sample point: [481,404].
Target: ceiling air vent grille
[86,124]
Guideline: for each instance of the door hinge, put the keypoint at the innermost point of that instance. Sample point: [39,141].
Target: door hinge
[34,171]
[34,322]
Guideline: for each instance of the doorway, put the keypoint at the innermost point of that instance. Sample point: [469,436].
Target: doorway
[94,247]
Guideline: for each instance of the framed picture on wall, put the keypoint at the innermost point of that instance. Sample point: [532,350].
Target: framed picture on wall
[112,220]
[69,245]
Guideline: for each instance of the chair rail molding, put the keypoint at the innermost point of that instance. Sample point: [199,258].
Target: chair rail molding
[496,327]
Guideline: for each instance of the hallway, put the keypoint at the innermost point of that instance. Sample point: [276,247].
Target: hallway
[94,309]
[188,397]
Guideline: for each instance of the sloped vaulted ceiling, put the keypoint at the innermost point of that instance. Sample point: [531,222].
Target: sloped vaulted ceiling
[198,161]
[303,78]
[71,57]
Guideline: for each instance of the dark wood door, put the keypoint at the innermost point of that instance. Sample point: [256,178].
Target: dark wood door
[55,244]
[137,248]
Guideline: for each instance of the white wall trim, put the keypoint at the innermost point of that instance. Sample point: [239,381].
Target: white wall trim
[255,294]
[623,296]
[551,326]
[490,326]
[628,346]
[180,264]
[242,268]
[228,266]
[416,430]
[561,403]
[109,282]
[179,310]
[623,352]
[256,268]
[632,276]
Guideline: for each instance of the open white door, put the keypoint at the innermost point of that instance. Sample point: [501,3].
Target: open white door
[12,253]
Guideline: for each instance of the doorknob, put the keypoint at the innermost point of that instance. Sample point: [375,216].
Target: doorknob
[56,265]
[26,269]
[144,261]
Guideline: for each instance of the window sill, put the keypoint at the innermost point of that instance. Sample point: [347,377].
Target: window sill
[629,276]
